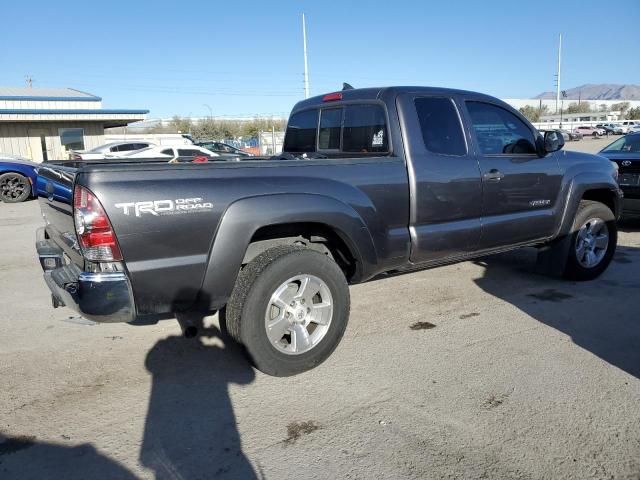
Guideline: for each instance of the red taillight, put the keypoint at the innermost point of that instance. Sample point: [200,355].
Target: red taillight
[96,237]
[332,97]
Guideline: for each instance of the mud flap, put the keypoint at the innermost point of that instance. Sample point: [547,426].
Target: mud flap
[552,258]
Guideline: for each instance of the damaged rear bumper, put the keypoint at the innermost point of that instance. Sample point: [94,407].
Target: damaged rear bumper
[101,297]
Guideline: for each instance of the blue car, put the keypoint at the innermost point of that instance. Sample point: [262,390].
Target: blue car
[18,178]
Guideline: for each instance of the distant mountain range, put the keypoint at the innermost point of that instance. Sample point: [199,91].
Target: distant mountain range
[603,91]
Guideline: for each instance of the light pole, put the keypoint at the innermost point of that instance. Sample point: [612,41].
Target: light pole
[306,66]
[564,95]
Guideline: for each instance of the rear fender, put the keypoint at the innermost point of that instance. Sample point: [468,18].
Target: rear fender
[244,217]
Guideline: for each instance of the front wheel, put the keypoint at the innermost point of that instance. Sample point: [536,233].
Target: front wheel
[289,308]
[593,241]
[14,188]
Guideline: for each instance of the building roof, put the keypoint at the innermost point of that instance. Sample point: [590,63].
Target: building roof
[47,94]
[108,117]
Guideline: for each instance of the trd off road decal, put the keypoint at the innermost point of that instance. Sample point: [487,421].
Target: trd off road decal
[165,207]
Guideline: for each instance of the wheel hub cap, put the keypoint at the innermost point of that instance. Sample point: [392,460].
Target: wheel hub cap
[12,187]
[592,242]
[298,314]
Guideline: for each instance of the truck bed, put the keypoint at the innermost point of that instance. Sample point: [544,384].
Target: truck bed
[169,255]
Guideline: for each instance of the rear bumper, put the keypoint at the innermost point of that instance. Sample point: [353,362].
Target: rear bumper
[101,297]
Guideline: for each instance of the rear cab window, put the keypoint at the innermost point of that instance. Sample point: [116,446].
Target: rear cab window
[330,128]
[348,129]
[365,129]
[301,132]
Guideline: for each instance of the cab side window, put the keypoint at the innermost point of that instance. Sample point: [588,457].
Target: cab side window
[440,125]
[498,131]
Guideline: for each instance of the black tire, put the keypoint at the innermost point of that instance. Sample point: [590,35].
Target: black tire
[244,315]
[14,188]
[588,210]
[595,134]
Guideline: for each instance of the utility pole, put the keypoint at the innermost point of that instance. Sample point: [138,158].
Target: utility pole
[558,74]
[210,111]
[306,66]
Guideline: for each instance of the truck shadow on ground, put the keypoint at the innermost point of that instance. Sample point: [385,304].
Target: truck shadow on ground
[190,429]
[27,458]
[601,316]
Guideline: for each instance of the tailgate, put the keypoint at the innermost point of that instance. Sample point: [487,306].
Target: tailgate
[55,195]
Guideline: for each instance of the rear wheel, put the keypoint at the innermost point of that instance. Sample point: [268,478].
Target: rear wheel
[14,188]
[289,309]
[593,241]
[595,134]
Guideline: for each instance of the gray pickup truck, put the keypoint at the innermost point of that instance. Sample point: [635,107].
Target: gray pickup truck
[370,181]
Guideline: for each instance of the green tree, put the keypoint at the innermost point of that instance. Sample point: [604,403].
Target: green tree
[180,125]
[621,107]
[217,129]
[533,113]
[584,107]
[633,114]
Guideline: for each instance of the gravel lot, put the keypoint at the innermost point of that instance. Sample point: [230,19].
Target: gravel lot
[476,370]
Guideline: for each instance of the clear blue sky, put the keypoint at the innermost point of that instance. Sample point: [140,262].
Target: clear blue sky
[245,57]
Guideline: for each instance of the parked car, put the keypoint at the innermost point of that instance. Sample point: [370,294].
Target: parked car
[17,178]
[223,149]
[625,152]
[634,128]
[627,124]
[570,136]
[611,128]
[573,136]
[112,149]
[589,131]
[370,181]
[171,152]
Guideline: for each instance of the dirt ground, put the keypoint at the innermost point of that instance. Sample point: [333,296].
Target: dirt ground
[477,370]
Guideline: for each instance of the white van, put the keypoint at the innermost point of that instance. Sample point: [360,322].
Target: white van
[627,124]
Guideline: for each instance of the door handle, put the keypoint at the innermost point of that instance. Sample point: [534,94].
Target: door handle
[493,175]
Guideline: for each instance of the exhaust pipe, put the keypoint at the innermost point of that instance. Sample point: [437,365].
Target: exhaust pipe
[189,324]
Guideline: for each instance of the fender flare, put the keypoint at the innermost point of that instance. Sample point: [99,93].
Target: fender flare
[580,184]
[244,217]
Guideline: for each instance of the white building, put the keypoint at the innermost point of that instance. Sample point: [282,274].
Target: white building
[44,123]
[518,103]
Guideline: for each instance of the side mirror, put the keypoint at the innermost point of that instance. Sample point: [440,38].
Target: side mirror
[552,142]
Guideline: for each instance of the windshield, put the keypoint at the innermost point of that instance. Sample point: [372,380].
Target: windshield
[625,144]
